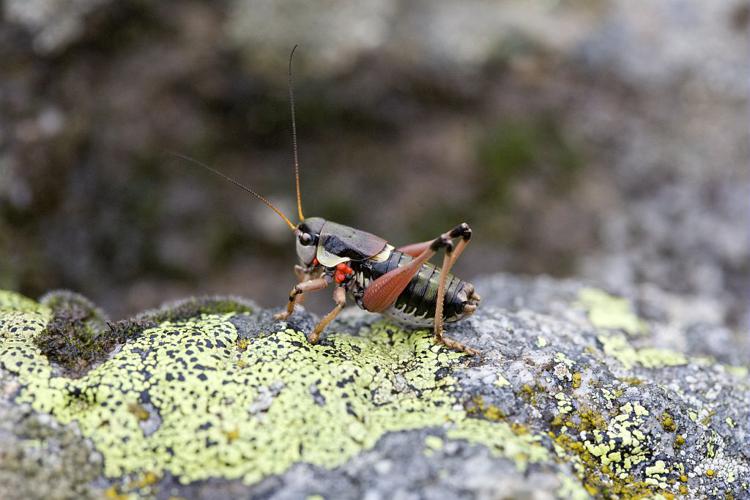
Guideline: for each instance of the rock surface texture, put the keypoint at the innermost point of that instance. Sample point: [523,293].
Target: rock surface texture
[577,394]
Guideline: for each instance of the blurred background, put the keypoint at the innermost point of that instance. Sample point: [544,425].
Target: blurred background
[585,138]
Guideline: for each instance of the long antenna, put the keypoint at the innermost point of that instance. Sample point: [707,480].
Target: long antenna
[294,136]
[241,186]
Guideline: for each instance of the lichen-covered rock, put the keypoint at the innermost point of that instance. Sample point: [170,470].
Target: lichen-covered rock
[574,395]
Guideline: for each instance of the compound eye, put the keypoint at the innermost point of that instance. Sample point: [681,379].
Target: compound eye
[305,239]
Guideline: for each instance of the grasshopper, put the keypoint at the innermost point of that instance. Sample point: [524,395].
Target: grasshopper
[397,282]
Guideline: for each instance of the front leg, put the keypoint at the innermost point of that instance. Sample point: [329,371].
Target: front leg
[303,274]
[298,290]
[339,297]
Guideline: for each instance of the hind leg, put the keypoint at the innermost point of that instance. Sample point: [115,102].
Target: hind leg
[451,255]
[383,292]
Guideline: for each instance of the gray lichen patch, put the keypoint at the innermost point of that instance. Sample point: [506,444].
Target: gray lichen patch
[41,458]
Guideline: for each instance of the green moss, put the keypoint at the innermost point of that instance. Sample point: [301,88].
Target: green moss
[224,412]
[77,335]
[190,308]
[610,312]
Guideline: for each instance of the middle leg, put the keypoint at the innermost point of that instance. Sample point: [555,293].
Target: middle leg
[339,297]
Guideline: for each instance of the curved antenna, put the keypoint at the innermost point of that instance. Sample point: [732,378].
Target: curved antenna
[294,136]
[241,186]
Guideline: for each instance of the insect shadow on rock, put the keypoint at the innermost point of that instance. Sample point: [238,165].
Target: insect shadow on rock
[397,282]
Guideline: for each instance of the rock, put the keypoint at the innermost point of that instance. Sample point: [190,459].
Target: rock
[577,393]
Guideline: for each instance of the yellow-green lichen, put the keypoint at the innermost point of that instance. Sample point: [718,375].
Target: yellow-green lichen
[502,441]
[740,372]
[571,489]
[186,398]
[603,453]
[433,443]
[576,380]
[679,441]
[657,473]
[564,404]
[667,422]
[622,431]
[501,381]
[618,347]
[10,301]
[610,312]
[477,406]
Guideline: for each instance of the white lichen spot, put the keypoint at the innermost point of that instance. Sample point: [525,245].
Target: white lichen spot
[561,372]
[560,357]
[564,404]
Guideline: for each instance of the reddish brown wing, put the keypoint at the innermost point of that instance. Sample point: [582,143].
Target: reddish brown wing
[384,291]
[415,249]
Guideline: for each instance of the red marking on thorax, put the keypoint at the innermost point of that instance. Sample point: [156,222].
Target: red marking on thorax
[342,272]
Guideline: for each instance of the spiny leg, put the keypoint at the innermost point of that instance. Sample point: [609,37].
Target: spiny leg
[300,288]
[339,297]
[451,254]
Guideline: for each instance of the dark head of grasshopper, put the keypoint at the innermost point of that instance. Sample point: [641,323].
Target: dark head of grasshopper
[399,283]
